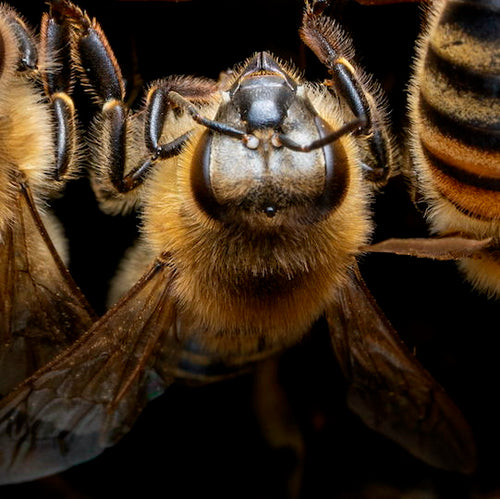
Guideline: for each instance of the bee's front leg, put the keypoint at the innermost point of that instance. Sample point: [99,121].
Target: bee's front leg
[55,47]
[97,64]
[332,47]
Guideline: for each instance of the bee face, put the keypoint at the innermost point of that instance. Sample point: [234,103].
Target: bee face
[278,226]
[257,179]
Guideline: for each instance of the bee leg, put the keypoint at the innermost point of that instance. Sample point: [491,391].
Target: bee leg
[327,41]
[159,103]
[378,159]
[317,6]
[26,45]
[97,64]
[55,47]
[57,82]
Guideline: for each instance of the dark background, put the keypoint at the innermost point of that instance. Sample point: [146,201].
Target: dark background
[196,442]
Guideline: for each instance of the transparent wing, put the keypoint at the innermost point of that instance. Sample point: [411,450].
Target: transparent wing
[42,311]
[89,396]
[388,388]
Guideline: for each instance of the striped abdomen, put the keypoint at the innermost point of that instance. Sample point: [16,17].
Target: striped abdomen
[458,106]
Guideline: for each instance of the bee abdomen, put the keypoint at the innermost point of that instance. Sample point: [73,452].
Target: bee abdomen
[459,106]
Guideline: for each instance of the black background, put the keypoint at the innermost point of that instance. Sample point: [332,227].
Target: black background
[195,442]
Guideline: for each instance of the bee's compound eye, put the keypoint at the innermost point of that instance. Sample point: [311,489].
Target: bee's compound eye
[336,170]
[200,178]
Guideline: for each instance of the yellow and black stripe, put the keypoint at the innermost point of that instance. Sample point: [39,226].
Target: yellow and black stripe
[458,106]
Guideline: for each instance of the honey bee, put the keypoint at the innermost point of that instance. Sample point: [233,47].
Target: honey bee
[41,309]
[254,193]
[454,142]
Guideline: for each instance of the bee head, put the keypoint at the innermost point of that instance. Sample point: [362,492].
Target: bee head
[280,161]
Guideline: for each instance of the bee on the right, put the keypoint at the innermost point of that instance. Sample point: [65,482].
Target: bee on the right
[454,143]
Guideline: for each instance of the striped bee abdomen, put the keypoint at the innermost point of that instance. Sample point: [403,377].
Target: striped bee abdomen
[454,106]
[458,104]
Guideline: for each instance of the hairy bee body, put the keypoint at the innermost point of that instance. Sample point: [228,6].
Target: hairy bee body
[274,274]
[254,195]
[26,140]
[455,141]
[41,310]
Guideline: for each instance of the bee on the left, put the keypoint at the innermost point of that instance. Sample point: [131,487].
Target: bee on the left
[41,308]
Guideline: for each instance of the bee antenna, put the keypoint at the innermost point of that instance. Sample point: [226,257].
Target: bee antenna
[350,127]
[216,126]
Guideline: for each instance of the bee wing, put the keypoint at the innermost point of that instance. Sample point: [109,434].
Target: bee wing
[389,389]
[89,396]
[42,311]
[437,248]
